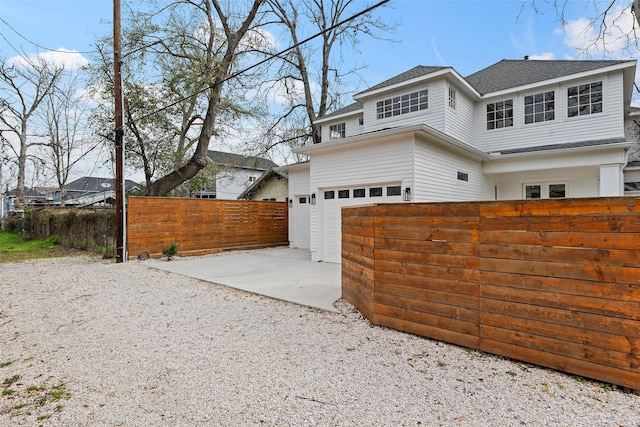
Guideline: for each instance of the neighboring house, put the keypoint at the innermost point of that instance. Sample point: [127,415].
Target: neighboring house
[271,186]
[89,190]
[233,174]
[517,129]
[31,197]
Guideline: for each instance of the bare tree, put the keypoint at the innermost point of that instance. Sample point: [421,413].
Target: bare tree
[317,68]
[67,140]
[181,60]
[24,85]
[607,28]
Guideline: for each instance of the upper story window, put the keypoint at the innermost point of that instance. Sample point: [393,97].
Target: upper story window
[452,98]
[337,131]
[584,99]
[500,114]
[403,104]
[539,107]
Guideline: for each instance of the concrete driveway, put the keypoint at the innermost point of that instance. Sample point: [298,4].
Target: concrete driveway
[281,273]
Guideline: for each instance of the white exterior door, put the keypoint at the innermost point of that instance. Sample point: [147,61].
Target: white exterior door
[332,202]
[303,217]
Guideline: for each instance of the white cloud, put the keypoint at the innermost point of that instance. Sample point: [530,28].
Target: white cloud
[69,59]
[545,56]
[601,38]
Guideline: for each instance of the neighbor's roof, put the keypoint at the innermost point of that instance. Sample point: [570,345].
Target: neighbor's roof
[508,73]
[92,184]
[259,183]
[240,161]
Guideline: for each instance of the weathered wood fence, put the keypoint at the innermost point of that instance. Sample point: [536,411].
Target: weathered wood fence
[201,226]
[551,282]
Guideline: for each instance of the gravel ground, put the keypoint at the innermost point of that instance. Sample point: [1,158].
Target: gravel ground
[90,343]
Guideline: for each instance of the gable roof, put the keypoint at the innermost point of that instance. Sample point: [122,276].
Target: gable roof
[356,106]
[259,183]
[239,161]
[415,72]
[508,73]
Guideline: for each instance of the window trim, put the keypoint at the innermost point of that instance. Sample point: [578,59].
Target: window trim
[545,187]
[543,103]
[503,110]
[452,97]
[386,108]
[578,96]
[338,130]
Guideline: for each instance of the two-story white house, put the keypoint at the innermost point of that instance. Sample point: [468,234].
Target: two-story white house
[517,129]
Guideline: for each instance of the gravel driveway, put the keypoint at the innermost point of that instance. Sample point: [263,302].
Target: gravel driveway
[89,343]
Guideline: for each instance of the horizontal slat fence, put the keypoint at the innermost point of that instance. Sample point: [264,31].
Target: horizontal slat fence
[550,282]
[201,226]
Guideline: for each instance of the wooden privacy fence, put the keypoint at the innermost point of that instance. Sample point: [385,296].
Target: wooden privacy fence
[551,282]
[201,226]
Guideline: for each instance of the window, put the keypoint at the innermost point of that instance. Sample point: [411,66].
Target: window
[330,194]
[463,176]
[539,107]
[337,131]
[557,191]
[302,200]
[403,104]
[270,199]
[394,191]
[584,99]
[452,98]
[532,192]
[375,192]
[343,194]
[252,178]
[632,186]
[500,114]
[359,192]
[545,191]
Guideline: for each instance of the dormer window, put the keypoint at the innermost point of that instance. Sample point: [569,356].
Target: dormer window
[500,114]
[584,99]
[403,104]
[337,131]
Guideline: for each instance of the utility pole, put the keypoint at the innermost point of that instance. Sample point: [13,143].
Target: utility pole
[119,135]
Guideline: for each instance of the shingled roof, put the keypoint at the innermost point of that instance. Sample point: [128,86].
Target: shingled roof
[508,73]
[419,71]
[239,161]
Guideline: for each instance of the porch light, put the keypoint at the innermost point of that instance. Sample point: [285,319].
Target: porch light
[406,196]
[313,199]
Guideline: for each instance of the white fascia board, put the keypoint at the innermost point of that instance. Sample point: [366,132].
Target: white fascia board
[294,167]
[339,116]
[433,135]
[445,71]
[553,159]
[623,66]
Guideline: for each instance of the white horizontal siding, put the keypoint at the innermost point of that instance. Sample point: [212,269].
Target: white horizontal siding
[581,182]
[383,161]
[459,122]
[605,125]
[436,176]
[432,116]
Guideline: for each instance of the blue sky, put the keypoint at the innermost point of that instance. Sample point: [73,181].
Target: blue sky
[466,34]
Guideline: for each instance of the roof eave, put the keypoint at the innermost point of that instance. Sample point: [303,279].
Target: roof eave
[420,129]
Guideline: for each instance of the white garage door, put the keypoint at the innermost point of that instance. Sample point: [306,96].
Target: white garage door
[332,202]
[303,229]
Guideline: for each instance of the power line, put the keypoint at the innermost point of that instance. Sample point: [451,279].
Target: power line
[36,44]
[257,64]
